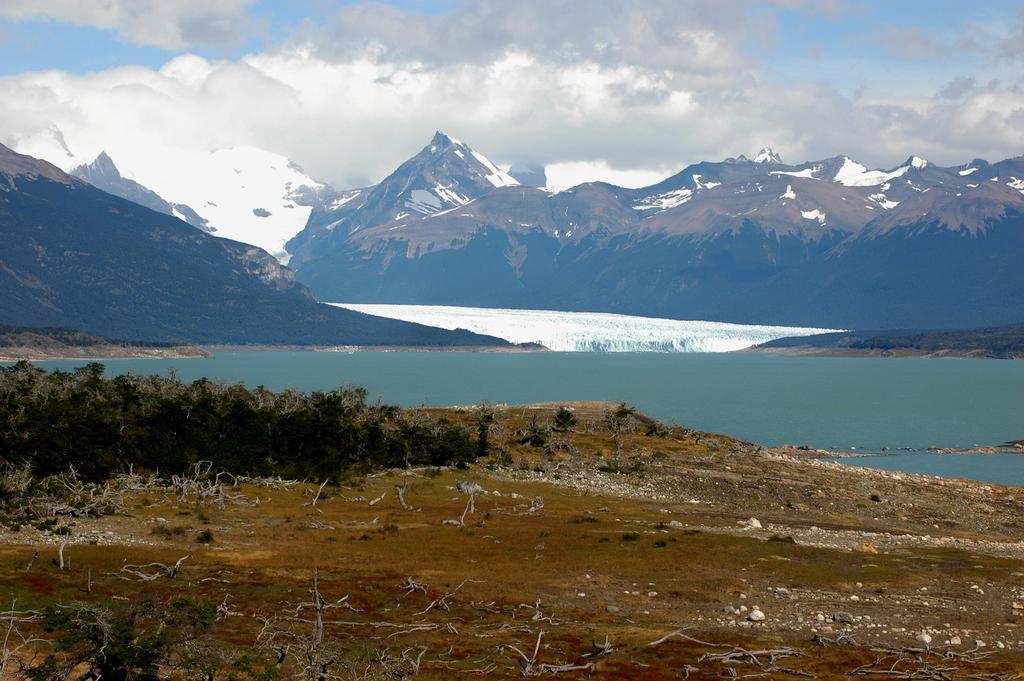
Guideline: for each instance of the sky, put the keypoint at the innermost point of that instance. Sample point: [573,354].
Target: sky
[627,92]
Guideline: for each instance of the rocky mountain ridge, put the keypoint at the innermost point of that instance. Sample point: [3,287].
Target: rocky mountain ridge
[826,242]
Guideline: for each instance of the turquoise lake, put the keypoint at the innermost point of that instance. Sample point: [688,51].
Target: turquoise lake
[1004,469]
[826,402]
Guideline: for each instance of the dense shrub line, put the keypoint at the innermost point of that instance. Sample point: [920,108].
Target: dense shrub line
[100,425]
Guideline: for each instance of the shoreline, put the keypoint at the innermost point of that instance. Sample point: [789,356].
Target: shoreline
[100,353]
[209,351]
[15,354]
[522,348]
[899,353]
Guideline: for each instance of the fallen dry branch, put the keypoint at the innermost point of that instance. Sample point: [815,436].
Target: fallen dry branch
[679,634]
[136,571]
[410,585]
[316,497]
[754,657]
[600,648]
[441,603]
[400,490]
[529,666]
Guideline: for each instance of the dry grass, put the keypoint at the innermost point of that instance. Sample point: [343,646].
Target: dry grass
[584,568]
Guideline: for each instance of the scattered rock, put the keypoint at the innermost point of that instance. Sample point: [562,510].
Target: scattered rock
[924,638]
[752,523]
[842,617]
[756,615]
[867,548]
[469,487]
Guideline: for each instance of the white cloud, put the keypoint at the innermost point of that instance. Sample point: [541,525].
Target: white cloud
[565,175]
[350,111]
[170,24]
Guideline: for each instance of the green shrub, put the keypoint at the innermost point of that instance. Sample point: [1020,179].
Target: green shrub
[99,425]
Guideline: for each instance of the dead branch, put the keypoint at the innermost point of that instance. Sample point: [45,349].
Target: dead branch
[536,506]
[168,571]
[679,634]
[470,489]
[441,603]
[412,585]
[741,655]
[16,643]
[316,498]
[400,489]
[600,648]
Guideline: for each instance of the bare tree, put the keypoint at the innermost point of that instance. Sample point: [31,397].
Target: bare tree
[317,659]
[618,422]
[16,645]
[470,489]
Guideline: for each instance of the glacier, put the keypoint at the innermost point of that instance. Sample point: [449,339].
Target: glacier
[589,331]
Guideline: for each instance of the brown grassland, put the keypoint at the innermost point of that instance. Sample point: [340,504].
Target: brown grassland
[580,553]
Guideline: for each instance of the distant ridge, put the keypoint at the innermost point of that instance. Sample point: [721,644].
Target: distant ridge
[826,243]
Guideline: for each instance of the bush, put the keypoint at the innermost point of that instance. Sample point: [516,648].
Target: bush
[100,426]
[564,420]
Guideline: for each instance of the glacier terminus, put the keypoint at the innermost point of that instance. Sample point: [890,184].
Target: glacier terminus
[589,331]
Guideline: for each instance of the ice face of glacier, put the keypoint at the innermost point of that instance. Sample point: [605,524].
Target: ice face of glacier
[589,331]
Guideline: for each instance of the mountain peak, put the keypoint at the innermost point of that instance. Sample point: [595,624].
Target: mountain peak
[443,139]
[102,165]
[917,162]
[766,155]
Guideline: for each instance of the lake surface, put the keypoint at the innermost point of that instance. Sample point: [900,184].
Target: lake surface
[827,402]
[1004,469]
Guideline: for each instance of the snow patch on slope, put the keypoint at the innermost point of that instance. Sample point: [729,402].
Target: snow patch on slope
[807,173]
[813,215]
[664,201]
[853,174]
[496,176]
[883,201]
[589,331]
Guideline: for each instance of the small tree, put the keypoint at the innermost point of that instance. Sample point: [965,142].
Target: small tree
[535,434]
[485,419]
[618,421]
[565,420]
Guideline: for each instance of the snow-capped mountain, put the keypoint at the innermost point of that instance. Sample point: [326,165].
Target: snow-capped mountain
[77,257]
[245,194]
[242,193]
[828,242]
[446,175]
